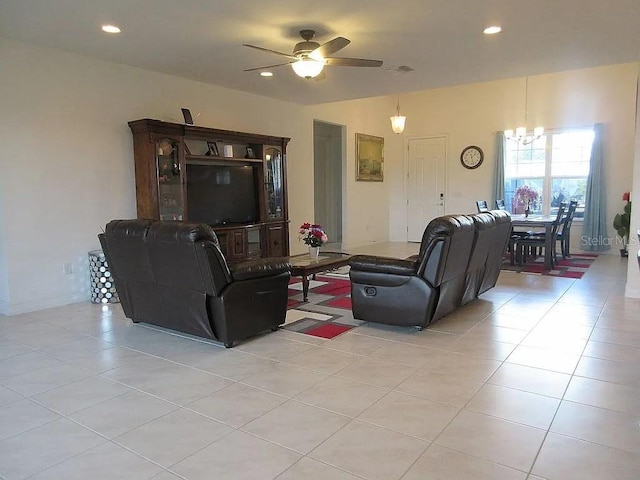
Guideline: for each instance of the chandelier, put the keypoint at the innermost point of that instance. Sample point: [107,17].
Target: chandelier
[521,135]
[397,120]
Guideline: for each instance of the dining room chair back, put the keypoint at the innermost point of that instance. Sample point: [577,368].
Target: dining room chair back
[564,232]
[482,206]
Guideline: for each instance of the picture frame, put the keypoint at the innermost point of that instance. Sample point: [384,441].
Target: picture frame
[213,149]
[369,158]
[250,153]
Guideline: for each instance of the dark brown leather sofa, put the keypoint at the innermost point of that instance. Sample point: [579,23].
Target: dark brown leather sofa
[173,274]
[459,258]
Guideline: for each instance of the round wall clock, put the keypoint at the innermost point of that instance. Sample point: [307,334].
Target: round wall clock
[472,157]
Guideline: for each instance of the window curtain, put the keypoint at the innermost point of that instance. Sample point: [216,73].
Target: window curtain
[594,231]
[498,181]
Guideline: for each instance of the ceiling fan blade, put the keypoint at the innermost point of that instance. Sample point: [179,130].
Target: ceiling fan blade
[268,66]
[322,76]
[329,48]
[269,51]
[352,62]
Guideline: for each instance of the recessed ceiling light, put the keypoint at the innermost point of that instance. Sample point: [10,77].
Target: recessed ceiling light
[492,30]
[110,29]
[266,74]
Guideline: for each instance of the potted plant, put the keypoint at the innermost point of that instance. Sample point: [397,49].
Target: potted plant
[314,236]
[527,196]
[622,224]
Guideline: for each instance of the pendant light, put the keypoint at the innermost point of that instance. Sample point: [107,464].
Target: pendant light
[397,121]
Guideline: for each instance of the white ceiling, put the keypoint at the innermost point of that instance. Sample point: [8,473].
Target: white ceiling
[441,39]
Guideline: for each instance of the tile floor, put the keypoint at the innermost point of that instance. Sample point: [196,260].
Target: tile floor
[539,379]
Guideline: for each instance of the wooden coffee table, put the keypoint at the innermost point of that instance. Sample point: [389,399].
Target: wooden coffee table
[304,266]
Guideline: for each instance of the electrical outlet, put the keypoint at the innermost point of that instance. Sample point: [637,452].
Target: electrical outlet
[67,268]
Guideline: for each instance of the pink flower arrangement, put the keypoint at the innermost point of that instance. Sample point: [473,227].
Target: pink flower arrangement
[525,195]
[313,235]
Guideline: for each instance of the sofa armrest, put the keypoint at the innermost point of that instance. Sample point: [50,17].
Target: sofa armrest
[264,267]
[391,266]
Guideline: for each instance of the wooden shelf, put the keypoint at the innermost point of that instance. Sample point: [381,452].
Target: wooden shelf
[232,159]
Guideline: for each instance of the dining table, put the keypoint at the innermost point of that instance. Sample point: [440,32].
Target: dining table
[530,222]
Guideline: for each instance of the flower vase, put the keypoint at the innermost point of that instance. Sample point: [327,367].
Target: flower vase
[314,252]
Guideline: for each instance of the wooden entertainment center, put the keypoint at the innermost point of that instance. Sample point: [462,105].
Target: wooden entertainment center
[234,181]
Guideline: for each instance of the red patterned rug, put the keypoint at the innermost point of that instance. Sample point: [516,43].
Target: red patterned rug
[574,267]
[327,313]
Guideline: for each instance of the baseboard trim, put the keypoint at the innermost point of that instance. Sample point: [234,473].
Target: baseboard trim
[17,308]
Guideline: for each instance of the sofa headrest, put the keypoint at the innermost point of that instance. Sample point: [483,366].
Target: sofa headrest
[136,228]
[501,216]
[445,226]
[181,232]
[483,221]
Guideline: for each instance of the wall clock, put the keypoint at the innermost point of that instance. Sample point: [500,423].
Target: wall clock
[472,157]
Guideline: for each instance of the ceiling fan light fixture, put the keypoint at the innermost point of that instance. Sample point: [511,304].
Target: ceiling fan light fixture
[307,67]
[397,120]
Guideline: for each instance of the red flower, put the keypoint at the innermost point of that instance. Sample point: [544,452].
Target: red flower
[312,234]
[626,196]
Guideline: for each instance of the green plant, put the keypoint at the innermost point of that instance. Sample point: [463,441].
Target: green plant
[622,221]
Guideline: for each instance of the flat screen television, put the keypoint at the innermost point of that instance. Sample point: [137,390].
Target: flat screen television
[222,194]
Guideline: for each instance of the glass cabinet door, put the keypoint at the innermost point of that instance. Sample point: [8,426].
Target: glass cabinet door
[170,200]
[273,183]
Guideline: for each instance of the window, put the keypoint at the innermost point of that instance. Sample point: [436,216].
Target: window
[556,165]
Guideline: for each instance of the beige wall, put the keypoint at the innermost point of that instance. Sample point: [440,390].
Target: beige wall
[471,114]
[633,267]
[366,204]
[67,155]
[67,151]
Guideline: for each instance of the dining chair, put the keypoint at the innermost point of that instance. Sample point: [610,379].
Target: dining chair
[500,204]
[564,232]
[482,206]
[536,243]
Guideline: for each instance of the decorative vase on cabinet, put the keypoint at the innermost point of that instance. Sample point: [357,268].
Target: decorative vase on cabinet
[314,252]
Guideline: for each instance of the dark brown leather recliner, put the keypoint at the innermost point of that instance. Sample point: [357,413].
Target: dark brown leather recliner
[502,235]
[415,292]
[485,236]
[173,274]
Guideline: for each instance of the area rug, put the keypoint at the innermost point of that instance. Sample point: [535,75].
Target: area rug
[574,267]
[327,313]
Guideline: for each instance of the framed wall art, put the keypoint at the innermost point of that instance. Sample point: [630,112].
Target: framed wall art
[369,158]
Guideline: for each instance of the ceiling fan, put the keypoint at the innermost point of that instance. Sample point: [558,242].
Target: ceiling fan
[309,57]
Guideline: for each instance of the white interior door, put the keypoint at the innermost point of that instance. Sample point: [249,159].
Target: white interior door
[425,183]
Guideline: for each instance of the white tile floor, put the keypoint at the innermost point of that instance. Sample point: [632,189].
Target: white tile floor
[540,378]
